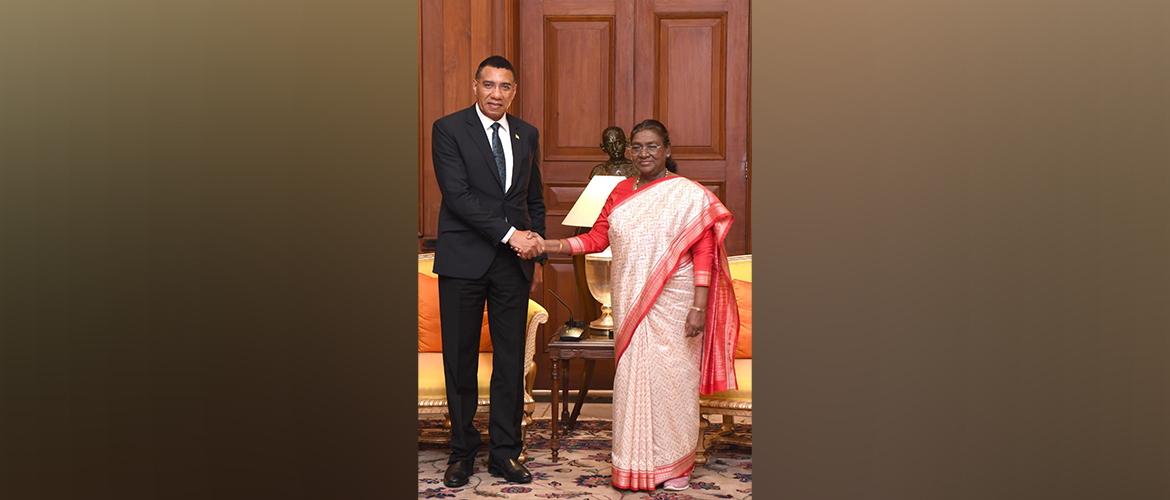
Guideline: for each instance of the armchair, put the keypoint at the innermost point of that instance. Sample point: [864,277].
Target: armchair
[736,403]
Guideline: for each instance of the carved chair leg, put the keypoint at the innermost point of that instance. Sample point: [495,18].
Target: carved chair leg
[529,409]
[524,422]
[728,425]
[530,379]
[446,432]
[701,446]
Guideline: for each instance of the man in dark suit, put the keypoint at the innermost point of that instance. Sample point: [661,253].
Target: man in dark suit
[491,226]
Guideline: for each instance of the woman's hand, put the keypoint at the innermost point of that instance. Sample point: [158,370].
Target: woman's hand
[696,321]
[697,317]
[552,247]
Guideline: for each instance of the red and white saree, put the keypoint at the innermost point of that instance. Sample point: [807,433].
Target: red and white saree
[653,234]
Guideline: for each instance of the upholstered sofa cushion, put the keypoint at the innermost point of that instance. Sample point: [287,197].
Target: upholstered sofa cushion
[743,298]
[430,375]
[430,338]
[740,267]
[741,276]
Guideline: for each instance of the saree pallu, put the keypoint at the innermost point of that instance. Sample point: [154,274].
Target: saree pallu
[660,371]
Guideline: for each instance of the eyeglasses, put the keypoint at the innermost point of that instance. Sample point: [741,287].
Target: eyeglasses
[650,148]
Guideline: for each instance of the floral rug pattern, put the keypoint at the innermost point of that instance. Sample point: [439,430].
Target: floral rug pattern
[582,471]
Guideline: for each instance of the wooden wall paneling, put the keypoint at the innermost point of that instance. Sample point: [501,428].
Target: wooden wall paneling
[530,93]
[612,78]
[747,198]
[691,69]
[623,99]
[560,197]
[456,54]
[431,99]
[578,85]
[482,42]
[736,127]
[717,188]
[506,40]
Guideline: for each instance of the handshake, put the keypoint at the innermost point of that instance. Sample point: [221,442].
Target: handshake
[527,244]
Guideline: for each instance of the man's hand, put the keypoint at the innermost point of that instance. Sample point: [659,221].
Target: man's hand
[527,244]
[537,277]
[537,243]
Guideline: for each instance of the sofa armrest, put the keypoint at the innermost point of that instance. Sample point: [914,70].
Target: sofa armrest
[537,315]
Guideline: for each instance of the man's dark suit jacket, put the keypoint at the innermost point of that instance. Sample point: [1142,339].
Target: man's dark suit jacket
[476,213]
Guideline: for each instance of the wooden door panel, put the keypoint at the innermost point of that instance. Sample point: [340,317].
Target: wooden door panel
[561,197]
[691,66]
[579,85]
[577,79]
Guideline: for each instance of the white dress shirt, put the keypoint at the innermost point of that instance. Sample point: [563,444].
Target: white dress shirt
[506,141]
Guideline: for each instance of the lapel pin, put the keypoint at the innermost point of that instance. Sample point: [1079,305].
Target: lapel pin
[517,136]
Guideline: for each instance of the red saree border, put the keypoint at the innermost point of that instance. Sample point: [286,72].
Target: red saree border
[646,188]
[650,479]
[717,370]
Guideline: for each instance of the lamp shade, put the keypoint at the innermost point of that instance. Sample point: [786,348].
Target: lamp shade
[584,213]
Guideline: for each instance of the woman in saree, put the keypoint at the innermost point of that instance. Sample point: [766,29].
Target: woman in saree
[676,322]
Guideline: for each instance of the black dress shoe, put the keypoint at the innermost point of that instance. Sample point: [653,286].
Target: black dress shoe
[457,474]
[511,469]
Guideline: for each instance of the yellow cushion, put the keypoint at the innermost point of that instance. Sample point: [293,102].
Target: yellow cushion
[426,265]
[743,377]
[430,375]
[741,270]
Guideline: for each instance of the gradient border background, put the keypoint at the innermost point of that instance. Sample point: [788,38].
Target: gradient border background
[202,204]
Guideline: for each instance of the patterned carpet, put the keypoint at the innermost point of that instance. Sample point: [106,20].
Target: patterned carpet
[583,471]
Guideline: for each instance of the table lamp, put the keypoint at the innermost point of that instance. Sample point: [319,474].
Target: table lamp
[596,266]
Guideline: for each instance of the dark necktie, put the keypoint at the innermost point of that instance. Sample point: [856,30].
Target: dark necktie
[498,152]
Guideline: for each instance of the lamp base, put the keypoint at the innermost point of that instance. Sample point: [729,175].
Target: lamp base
[605,322]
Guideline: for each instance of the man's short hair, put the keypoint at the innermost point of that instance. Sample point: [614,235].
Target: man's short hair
[495,62]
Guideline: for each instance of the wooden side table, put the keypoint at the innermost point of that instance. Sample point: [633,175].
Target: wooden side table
[560,352]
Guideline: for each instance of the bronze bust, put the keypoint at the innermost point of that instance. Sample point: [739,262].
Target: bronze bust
[613,142]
